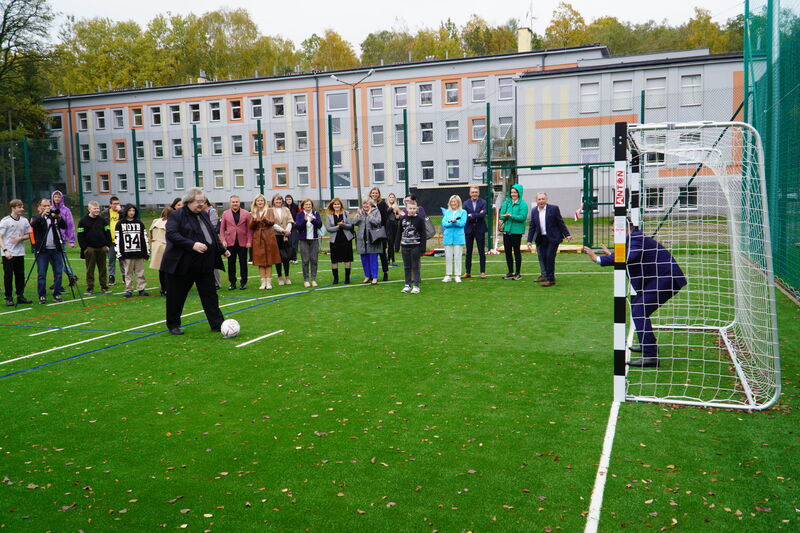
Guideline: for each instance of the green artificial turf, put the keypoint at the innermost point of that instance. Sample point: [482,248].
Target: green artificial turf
[472,407]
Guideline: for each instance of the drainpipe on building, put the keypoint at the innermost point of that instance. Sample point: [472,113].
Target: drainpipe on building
[319,152]
[68,138]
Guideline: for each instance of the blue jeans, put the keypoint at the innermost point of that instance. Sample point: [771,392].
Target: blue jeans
[49,256]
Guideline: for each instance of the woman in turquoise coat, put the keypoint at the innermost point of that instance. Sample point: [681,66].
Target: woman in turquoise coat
[513,214]
[454,218]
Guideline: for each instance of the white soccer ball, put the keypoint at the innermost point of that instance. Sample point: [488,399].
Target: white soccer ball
[229,328]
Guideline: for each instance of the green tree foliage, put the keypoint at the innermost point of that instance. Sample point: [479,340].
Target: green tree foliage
[333,53]
[567,28]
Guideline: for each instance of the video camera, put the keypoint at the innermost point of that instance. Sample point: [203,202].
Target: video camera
[54,212]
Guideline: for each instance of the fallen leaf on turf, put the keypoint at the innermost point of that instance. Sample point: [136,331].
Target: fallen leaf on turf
[361,511]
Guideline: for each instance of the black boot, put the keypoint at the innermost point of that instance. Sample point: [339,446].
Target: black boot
[335,276]
[385,276]
[347,276]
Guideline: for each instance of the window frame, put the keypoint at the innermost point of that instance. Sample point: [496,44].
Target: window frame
[429,169]
[589,99]
[473,84]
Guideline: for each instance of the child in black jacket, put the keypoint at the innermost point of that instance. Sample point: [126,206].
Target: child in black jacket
[132,249]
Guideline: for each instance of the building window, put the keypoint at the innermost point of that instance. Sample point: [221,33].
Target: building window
[478,129]
[142,181]
[281,179]
[158,149]
[216,145]
[219,179]
[139,149]
[336,125]
[590,150]
[177,147]
[352,203]
[505,89]
[426,94]
[302,176]
[119,148]
[689,144]
[278,109]
[237,144]
[238,178]
[337,101]
[687,197]
[119,118]
[477,170]
[336,158]
[655,94]
[155,116]
[342,179]
[280,142]
[302,140]
[175,114]
[400,97]
[257,141]
[654,198]
[85,154]
[426,132]
[399,134]
[198,146]
[453,172]
[300,105]
[427,170]
[194,113]
[451,92]
[102,152]
[255,108]
[161,182]
[55,122]
[236,109]
[655,153]
[505,126]
[178,180]
[138,118]
[376,98]
[377,135]
[201,180]
[590,97]
[214,111]
[691,93]
[122,179]
[451,128]
[83,122]
[400,169]
[622,95]
[378,173]
[105,182]
[100,120]
[87,184]
[478,90]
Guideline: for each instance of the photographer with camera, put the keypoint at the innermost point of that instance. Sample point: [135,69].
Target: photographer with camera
[49,250]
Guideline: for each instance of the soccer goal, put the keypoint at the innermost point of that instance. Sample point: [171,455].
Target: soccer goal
[698,189]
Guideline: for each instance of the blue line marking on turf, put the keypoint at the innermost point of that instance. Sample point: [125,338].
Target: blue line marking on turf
[51,363]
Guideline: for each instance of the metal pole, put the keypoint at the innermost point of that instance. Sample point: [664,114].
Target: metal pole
[405,146]
[196,160]
[489,168]
[80,172]
[260,148]
[330,155]
[357,167]
[588,208]
[641,108]
[620,257]
[135,168]
[27,161]
[11,160]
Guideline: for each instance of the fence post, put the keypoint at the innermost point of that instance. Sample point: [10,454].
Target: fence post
[588,209]
[405,147]
[489,180]
[27,162]
[80,172]
[195,155]
[135,168]
[330,155]
[641,107]
[260,148]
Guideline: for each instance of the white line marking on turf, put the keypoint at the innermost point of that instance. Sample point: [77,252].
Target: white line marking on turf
[17,311]
[259,338]
[58,329]
[71,301]
[593,520]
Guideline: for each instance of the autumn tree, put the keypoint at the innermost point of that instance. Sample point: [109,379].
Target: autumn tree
[333,53]
[567,28]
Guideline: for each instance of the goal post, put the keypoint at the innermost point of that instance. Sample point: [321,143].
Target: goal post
[699,191]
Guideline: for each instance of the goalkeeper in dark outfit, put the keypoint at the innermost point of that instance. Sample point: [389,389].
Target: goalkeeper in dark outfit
[656,277]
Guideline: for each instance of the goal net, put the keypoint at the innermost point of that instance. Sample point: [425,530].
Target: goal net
[702,196]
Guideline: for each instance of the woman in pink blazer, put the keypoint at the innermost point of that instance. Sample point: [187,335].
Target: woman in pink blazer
[237,237]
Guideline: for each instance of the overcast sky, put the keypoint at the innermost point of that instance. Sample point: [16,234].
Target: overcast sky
[355,19]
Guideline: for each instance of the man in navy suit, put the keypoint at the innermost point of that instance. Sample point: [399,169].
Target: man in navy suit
[547,231]
[475,230]
[656,277]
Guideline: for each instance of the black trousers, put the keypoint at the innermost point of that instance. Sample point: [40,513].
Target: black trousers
[178,287]
[511,244]
[14,268]
[384,257]
[547,251]
[479,238]
[237,253]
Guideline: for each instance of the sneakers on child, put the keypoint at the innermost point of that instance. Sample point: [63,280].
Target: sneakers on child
[458,279]
[143,293]
[509,276]
[406,289]
[446,279]
[127,294]
[415,290]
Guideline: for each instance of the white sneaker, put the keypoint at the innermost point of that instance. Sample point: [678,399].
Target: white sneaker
[306,284]
[458,279]
[415,290]
[406,289]
[313,283]
[446,279]
[280,280]
[288,281]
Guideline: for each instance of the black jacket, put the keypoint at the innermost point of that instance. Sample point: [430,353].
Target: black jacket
[39,224]
[93,232]
[183,230]
[131,236]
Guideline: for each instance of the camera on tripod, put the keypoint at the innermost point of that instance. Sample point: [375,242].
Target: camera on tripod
[54,212]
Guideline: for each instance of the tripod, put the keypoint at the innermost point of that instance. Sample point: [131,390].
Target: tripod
[50,220]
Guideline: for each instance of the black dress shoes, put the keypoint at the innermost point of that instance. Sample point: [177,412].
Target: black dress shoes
[23,300]
[176,331]
[644,362]
[637,349]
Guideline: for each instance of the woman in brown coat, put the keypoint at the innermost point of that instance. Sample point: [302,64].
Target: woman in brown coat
[265,247]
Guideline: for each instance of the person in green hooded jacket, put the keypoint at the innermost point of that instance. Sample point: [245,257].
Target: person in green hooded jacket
[513,214]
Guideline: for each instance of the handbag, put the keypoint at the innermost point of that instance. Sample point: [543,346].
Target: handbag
[500,225]
[378,234]
[430,231]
